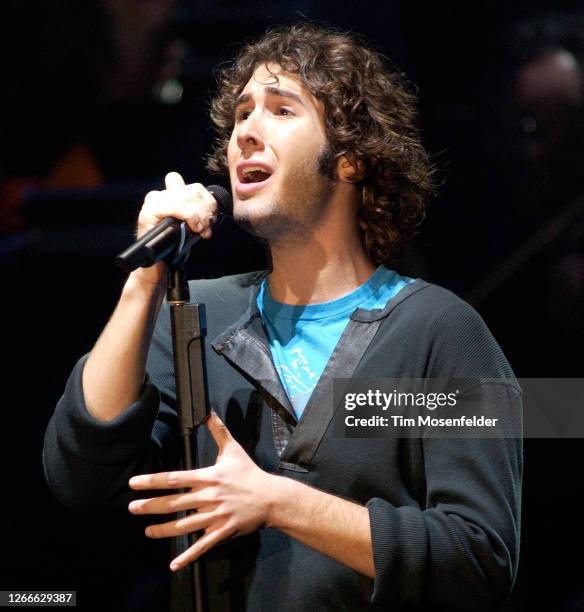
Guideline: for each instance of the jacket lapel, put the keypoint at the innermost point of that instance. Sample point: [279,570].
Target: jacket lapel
[246,347]
[343,363]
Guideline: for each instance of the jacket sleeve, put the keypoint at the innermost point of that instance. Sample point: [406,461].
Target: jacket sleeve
[88,462]
[459,549]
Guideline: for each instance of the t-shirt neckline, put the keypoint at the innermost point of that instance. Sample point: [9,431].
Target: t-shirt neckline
[324,310]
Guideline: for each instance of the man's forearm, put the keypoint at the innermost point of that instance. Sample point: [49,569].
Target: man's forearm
[334,526]
[114,372]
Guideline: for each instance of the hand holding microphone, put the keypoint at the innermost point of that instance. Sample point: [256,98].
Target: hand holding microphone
[171,221]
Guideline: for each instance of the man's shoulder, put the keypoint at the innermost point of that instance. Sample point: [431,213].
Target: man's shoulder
[232,288]
[233,284]
[438,315]
[424,301]
[453,331]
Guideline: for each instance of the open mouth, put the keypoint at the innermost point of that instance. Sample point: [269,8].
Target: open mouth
[254,175]
[251,178]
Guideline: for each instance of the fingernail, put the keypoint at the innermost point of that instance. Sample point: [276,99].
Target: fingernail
[148,531]
[133,506]
[174,566]
[199,227]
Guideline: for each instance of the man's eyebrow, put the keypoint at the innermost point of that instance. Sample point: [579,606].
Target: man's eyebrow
[274,91]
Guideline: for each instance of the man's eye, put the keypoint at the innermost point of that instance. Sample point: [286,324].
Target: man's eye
[285,111]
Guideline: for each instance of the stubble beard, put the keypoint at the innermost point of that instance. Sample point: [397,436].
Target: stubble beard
[298,208]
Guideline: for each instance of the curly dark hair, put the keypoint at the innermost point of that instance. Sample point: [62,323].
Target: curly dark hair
[370,115]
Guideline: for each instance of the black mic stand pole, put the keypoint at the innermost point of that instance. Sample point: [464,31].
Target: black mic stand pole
[188,343]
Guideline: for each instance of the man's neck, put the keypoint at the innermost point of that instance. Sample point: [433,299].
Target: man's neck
[329,265]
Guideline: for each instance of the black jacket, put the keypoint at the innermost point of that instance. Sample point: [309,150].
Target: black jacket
[444,511]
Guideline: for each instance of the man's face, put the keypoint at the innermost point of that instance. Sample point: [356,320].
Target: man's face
[276,149]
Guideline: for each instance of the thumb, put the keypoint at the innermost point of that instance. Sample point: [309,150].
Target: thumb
[219,431]
[174,181]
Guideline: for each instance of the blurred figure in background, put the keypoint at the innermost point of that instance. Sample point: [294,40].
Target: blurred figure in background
[533,295]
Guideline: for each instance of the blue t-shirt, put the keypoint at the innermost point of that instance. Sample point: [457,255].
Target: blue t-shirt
[302,338]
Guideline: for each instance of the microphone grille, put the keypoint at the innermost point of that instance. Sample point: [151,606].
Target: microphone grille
[223,198]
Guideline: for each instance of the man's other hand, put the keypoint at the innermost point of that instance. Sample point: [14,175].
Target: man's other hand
[231,498]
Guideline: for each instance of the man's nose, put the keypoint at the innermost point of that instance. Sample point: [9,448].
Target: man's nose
[250,132]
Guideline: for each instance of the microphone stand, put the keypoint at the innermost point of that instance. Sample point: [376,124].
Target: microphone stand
[188,325]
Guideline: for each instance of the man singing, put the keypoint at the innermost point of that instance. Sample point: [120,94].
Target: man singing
[319,139]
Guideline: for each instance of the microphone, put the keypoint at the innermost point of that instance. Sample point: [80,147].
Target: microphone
[170,236]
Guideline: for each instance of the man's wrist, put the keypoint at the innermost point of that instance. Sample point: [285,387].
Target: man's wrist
[280,493]
[146,284]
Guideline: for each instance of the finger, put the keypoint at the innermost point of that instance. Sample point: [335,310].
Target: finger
[185,479]
[187,524]
[201,546]
[162,480]
[161,204]
[174,181]
[168,504]
[218,430]
[207,207]
[190,203]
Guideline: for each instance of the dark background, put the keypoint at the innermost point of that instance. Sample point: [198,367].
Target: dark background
[100,99]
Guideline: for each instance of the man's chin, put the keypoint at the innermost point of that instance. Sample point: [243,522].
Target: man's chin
[245,223]
[255,224]
[267,225]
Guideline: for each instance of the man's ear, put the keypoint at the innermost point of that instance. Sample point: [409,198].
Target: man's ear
[350,171]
